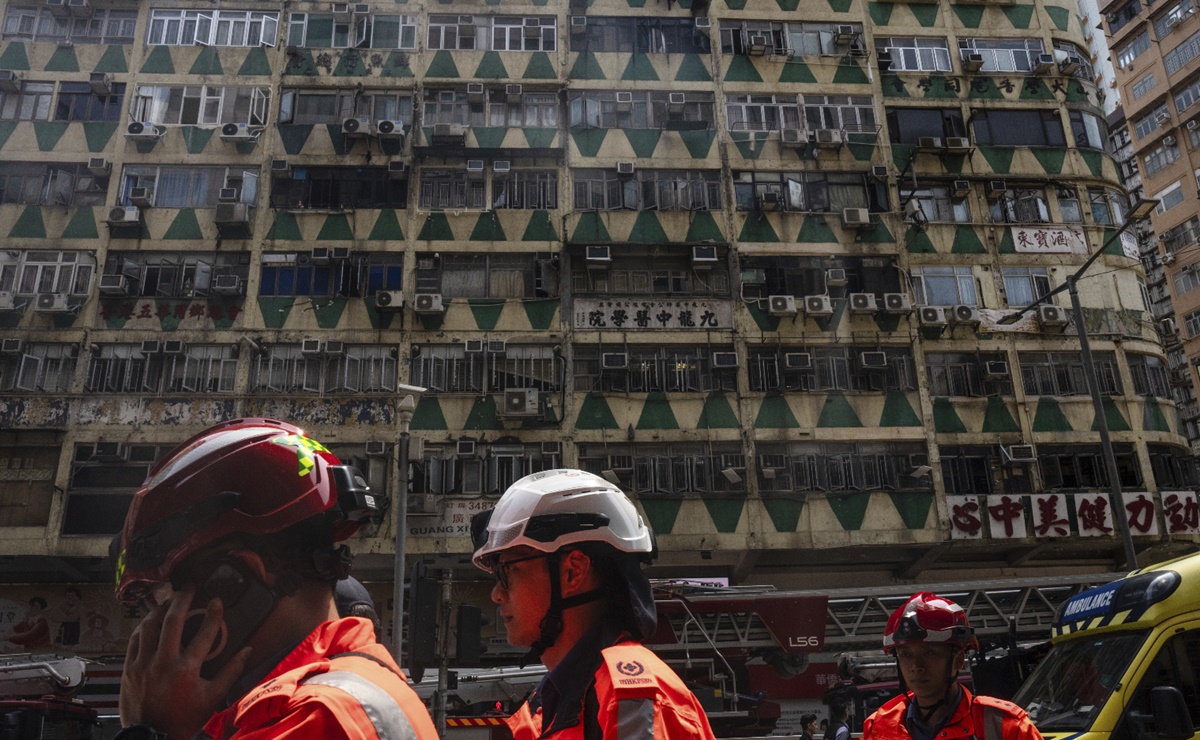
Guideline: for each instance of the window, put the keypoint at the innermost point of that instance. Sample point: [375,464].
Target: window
[664,190]
[1172,17]
[103,26]
[128,368]
[761,112]
[352,368]
[31,103]
[831,467]
[968,374]
[187,186]
[1173,467]
[969,470]
[846,112]
[77,102]
[1024,285]
[1108,207]
[938,204]
[793,39]
[1187,279]
[499,33]
[1062,374]
[452,189]
[640,34]
[653,369]
[1160,157]
[1178,237]
[1018,128]
[323,30]
[212,28]
[804,276]
[1187,97]
[450,106]
[1145,85]
[102,487]
[1069,208]
[333,106]
[806,191]
[1080,57]
[1121,17]
[830,368]
[642,271]
[644,110]
[909,125]
[1082,466]
[449,368]
[200,105]
[1169,198]
[443,471]
[515,33]
[531,110]
[1149,375]
[60,184]
[40,367]
[1090,131]
[174,274]
[916,54]
[31,272]
[1004,55]
[1132,49]
[944,286]
[339,188]
[298,274]
[1148,123]
[1192,322]
[487,275]
[1020,205]
[527,189]
[1181,55]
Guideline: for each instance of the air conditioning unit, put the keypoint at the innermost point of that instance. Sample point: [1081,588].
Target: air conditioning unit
[856,218]
[598,255]
[828,138]
[1043,64]
[1070,65]
[174,347]
[227,195]
[397,169]
[51,303]
[496,346]
[818,305]
[449,133]
[724,359]
[625,168]
[361,8]
[389,300]
[873,360]
[101,83]
[232,214]
[8,301]
[356,126]
[1052,316]
[473,346]
[897,303]
[884,58]
[960,188]
[1168,140]
[475,90]
[964,314]
[310,347]
[1168,258]
[58,8]
[513,93]
[1018,453]
[676,102]
[971,61]
[844,34]
[151,346]
[334,348]
[11,346]
[280,167]
[704,256]
[123,215]
[341,12]
[614,360]
[389,129]
[428,303]
[114,285]
[768,201]
[375,448]
[879,172]
[143,197]
[533,28]
[141,131]
[794,137]
[475,165]
[1193,124]
[932,317]
[228,285]
[757,44]
[624,101]
[958,145]
[466,448]
[995,370]
[995,189]
[863,303]
[578,24]
[500,166]
[703,22]
[99,167]
[835,277]
[797,360]
[551,448]
[237,132]
[782,305]
[929,143]
[520,402]
[10,82]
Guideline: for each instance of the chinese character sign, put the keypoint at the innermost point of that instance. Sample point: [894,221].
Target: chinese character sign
[1050,515]
[1049,239]
[1141,513]
[624,314]
[1006,517]
[1094,515]
[966,518]
[1129,245]
[1181,512]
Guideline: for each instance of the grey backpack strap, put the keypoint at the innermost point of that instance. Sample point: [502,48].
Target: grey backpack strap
[993,724]
[388,718]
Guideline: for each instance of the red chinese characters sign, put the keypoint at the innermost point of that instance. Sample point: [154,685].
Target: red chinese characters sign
[1049,239]
[1181,512]
[966,517]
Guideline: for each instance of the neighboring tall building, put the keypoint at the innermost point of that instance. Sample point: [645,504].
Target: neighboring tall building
[1155,49]
[750,261]
[1092,21]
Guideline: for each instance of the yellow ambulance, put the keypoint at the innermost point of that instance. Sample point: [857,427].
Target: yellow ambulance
[1125,660]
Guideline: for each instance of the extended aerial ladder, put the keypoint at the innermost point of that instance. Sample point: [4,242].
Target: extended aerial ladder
[35,701]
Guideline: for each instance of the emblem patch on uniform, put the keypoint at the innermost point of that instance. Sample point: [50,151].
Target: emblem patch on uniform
[632,668]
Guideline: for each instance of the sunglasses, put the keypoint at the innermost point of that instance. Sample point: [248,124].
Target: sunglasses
[501,571]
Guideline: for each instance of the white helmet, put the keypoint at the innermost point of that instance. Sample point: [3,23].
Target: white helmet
[549,510]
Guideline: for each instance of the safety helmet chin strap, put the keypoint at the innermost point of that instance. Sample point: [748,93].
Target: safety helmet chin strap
[926,713]
[552,622]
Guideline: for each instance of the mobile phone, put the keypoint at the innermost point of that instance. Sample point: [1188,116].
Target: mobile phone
[247,603]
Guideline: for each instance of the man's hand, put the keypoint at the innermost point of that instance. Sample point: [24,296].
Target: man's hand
[161,685]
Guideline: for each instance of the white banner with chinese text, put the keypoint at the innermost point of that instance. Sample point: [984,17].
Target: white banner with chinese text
[636,313]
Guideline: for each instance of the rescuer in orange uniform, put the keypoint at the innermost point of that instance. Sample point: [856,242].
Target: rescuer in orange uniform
[566,548]
[231,546]
[929,636]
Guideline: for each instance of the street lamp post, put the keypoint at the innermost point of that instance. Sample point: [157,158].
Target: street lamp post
[1116,502]
[404,414]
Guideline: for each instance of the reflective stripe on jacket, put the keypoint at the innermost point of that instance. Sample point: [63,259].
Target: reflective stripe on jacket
[338,683]
[978,717]
[638,698]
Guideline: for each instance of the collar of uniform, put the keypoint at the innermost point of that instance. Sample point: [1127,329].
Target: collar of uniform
[921,731]
[564,689]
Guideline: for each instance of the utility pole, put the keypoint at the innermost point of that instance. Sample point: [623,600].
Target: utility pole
[439,717]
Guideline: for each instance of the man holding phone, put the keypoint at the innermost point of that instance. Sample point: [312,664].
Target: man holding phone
[231,546]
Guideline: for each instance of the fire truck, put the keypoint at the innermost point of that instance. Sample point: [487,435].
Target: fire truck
[36,703]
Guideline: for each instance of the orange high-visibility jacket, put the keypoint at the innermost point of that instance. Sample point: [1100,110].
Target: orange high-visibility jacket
[978,717]
[338,683]
[639,698]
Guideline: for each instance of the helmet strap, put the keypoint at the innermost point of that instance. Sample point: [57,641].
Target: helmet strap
[552,622]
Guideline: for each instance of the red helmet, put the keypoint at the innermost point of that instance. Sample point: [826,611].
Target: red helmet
[247,477]
[927,617]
